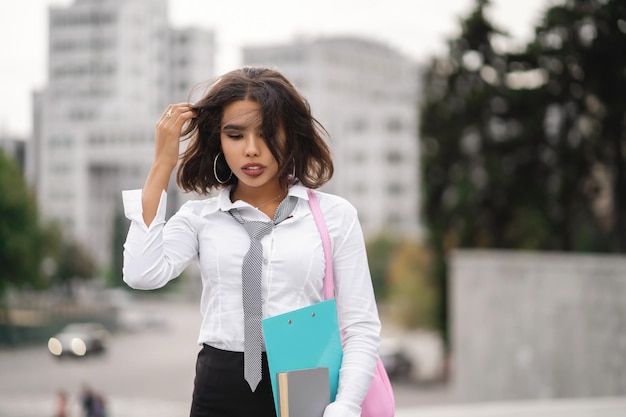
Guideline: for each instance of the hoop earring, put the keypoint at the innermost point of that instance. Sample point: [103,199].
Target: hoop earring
[215,170]
[293,171]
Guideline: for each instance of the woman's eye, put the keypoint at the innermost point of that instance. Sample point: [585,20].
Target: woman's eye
[234,136]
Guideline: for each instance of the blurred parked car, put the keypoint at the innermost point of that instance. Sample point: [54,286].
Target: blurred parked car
[414,355]
[395,359]
[79,339]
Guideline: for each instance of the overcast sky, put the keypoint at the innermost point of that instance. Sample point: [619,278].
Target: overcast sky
[417,28]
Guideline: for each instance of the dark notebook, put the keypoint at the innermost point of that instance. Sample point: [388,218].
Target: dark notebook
[304,392]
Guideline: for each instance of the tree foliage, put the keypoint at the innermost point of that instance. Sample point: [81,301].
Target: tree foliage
[525,150]
[580,49]
[74,263]
[34,254]
[21,238]
[412,295]
[120,229]
[379,253]
[402,279]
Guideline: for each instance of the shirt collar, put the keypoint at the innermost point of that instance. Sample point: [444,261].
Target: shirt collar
[224,203]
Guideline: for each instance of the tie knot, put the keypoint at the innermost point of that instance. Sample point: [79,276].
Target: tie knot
[257,230]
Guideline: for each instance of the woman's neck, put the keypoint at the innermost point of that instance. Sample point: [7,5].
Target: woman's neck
[264,200]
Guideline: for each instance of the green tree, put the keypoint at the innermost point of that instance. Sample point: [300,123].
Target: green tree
[379,253]
[120,229]
[412,297]
[74,263]
[21,249]
[580,48]
[603,31]
[526,150]
[465,147]
[21,239]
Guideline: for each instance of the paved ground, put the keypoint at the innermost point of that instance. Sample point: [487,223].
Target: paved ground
[138,407]
[608,407]
[149,374]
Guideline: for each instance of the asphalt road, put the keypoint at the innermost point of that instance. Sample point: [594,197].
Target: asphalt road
[148,372]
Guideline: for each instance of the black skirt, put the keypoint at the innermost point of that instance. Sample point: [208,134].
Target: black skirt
[220,389]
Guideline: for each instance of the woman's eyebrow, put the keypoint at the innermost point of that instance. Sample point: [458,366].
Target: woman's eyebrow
[240,127]
[233,127]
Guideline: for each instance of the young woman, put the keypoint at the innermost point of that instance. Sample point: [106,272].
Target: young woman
[253,138]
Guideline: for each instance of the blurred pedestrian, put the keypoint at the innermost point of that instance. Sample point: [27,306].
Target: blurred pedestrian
[253,139]
[61,404]
[99,406]
[87,399]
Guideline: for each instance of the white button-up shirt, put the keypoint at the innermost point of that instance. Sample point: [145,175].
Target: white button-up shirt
[203,231]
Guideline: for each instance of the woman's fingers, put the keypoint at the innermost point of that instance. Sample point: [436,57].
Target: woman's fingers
[168,131]
[174,117]
[177,113]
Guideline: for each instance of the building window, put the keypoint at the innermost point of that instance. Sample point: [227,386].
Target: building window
[359,157]
[394,125]
[358,125]
[77,19]
[394,220]
[359,188]
[395,189]
[394,157]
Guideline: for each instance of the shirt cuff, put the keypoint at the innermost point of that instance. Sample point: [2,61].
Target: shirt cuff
[342,409]
[133,208]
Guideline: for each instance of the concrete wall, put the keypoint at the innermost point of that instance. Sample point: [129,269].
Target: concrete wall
[530,325]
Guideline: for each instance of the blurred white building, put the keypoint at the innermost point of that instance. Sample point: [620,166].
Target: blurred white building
[366,96]
[114,66]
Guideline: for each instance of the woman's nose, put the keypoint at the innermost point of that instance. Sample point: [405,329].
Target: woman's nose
[253,147]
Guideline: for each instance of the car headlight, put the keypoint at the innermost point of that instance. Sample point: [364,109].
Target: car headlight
[54,346]
[78,347]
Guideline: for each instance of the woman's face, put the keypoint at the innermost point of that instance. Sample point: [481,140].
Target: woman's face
[245,149]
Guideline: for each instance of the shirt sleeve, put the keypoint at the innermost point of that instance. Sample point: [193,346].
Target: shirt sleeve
[358,317]
[155,254]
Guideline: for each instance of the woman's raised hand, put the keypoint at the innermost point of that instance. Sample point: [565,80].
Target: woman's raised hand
[167,141]
[168,131]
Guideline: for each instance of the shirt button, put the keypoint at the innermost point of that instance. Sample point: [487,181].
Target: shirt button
[265,261]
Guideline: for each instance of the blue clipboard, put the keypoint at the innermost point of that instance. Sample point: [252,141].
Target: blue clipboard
[308,337]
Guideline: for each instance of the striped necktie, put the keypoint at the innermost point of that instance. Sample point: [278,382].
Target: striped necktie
[251,273]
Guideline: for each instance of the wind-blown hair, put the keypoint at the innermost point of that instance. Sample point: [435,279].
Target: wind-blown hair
[304,157]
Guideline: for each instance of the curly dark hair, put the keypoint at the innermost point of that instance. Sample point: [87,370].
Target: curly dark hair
[304,157]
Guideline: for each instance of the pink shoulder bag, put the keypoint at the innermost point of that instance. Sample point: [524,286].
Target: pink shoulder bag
[379,401]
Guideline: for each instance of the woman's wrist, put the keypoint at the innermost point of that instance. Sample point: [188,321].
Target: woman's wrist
[164,164]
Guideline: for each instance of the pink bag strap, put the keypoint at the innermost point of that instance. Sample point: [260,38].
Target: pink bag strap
[379,401]
[329,280]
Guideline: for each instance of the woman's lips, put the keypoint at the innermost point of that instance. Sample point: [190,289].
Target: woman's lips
[253,170]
